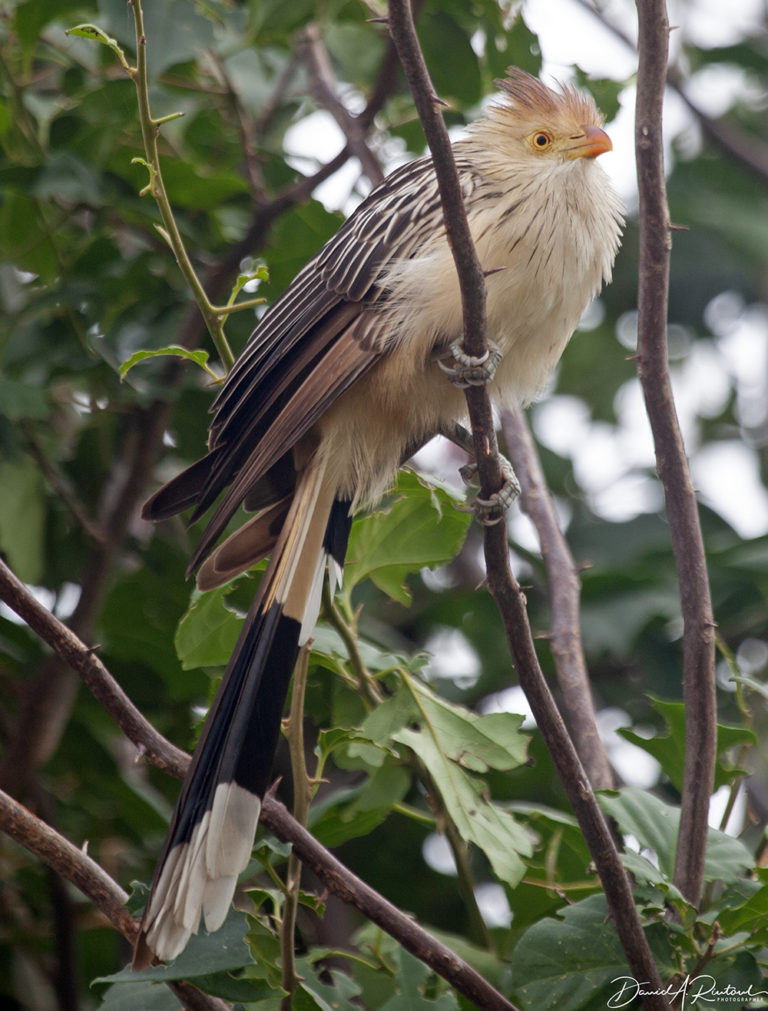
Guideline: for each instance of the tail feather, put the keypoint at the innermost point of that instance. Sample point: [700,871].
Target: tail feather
[245,547]
[211,835]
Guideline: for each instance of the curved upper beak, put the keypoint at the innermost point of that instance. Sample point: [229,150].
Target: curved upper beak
[590,144]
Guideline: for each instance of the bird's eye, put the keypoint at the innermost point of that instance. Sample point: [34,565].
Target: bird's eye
[541,140]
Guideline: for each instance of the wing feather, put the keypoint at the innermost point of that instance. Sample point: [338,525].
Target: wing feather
[322,334]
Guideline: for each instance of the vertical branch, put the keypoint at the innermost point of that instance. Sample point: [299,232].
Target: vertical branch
[506,592]
[564,590]
[672,465]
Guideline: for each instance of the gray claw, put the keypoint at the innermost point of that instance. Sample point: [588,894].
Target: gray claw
[468,370]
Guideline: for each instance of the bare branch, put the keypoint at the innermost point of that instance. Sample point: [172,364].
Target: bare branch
[501,582]
[323,85]
[69,648]
[564,590]
[671,461]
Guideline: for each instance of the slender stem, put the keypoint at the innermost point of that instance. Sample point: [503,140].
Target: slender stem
[149,132]
[348,634]
[460,851]
[671,461]
[302,795]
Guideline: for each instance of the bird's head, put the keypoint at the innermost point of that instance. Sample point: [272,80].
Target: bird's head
[531,120]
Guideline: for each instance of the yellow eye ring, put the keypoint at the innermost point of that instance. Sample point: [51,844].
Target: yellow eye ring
[541,140]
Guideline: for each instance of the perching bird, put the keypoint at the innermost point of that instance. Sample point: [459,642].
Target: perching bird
[339,384]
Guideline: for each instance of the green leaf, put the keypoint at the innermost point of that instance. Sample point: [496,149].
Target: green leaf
[747,913]
[569,963]
[419,527]
[477,743]
[357,812]
[655,825]
[147,996]
[458,77]
[95,34]
[207,633]
[22,518]
[606,92]
[411,980]
[205,954]
[449,740]
[324,989]
[174,350]
[669,749]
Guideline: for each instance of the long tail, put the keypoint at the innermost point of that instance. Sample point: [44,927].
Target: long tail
[211,834]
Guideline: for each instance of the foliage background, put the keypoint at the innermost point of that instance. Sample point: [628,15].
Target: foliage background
[86,281]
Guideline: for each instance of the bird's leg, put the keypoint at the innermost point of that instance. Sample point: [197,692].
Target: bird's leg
[468,370]
[487,510]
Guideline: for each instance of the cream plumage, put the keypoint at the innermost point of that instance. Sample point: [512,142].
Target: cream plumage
[340,382]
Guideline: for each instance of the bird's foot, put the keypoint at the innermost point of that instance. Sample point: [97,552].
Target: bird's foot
[469,370]
[490,511]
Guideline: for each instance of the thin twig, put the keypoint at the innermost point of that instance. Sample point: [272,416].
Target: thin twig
[671,461]
[302,795]
[348,635]
[501,582]
[564,590]
[150,128]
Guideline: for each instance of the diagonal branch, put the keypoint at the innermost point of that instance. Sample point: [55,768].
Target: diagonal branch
[70,650]
[323,85]
[671,461]
[501,582]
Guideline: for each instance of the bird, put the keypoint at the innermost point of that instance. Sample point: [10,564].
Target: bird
[343,378]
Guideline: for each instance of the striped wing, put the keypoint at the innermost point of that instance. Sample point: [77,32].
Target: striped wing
[318,338]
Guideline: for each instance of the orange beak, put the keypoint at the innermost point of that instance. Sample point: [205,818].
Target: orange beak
[590,144]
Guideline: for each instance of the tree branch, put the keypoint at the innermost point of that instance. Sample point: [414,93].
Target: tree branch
[501,582]
[671,461]
[564,590]
[76,655]
[323,85]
